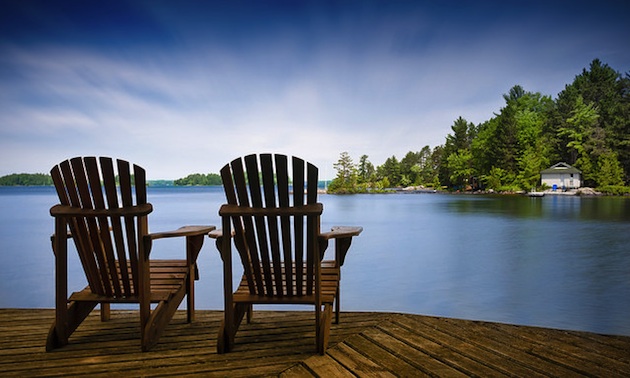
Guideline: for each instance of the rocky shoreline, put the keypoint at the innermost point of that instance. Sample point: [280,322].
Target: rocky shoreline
[586,191]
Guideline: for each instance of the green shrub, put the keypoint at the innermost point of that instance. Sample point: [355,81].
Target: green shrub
[614,190]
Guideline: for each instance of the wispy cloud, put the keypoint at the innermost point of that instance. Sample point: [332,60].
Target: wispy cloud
[311,82]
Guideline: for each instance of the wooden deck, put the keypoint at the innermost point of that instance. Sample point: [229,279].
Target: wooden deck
[363,344]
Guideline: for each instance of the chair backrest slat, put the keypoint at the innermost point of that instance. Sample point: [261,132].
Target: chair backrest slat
[282,177]
[270,245]
[140,181]
[269,188]
[109,186]
[298,223]
[312,225]
[108,269]
[260,234]
[107,245]
[126,194]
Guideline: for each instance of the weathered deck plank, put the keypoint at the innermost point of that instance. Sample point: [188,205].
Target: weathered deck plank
[283,344]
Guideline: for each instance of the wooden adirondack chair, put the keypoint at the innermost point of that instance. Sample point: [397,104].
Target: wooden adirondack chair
[274,218]
[109,226]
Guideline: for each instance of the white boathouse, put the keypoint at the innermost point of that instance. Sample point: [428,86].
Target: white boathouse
[561,176]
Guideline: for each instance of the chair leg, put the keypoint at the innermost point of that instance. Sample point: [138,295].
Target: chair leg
[337,305]
[105,312]
[56,338]
[159,319]
[250,313]
[190,299]
[240,309]
[193,246]
[324,329]
[225,339]
[64,326]
[318,328]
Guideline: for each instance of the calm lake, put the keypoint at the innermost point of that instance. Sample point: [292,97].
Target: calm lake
[559,262]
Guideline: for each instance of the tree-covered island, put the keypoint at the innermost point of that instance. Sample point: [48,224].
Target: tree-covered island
[26,179]
[199,179]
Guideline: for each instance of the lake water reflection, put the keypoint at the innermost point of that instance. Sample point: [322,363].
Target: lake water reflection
[561,262]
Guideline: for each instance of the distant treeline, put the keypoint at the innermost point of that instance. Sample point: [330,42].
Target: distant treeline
[41,179]
[586,126]
[26,179]
[196,179]
[199,179]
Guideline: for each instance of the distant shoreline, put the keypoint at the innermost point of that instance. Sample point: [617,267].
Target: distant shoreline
[580,192]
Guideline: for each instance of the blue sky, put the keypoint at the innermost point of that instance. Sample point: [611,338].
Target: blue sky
[181,87]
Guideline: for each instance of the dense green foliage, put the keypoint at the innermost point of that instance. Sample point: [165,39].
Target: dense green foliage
[199,179]
[26,179]
[615,190]
[587,126]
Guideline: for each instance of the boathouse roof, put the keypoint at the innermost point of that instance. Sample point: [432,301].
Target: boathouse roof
[561,168]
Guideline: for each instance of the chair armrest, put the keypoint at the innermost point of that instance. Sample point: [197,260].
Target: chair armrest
[235,210]
[341,232]
[183,231]
[343,238]
[194,240]
[215,234]
[68,236]
[71,211]
[218,234]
